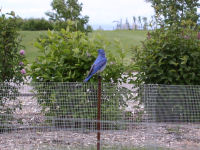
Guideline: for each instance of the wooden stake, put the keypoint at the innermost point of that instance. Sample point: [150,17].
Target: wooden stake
[99,114]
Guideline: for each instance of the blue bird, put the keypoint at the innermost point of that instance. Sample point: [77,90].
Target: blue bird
[99,64]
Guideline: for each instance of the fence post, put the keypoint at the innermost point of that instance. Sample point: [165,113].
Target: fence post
[99,114]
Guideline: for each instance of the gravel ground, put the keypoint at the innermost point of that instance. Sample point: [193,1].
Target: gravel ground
[182,137]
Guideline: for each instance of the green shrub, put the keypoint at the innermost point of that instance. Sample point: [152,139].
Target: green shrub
[169,56]
[12,62]
[68,56]
[10,67]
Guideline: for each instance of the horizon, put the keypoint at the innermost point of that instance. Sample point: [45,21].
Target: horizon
[102,13]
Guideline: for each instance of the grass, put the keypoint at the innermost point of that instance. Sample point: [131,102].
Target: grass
[28,40]
[127,38]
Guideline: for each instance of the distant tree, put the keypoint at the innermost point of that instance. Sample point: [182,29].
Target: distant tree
[127,24]
[64,10]
[117,24]
[134,21]
[120,24]
[176,10]
[144,19]
[140,21]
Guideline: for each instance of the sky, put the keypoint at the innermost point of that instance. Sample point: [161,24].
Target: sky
[101,12]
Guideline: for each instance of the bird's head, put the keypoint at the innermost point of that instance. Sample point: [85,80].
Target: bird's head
[101,52]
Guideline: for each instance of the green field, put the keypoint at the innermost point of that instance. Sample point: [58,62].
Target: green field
[28,40]
[127,38]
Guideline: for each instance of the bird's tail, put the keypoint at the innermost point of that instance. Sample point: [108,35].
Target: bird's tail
[87,79]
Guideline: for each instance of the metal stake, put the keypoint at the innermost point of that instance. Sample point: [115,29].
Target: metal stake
[99,113]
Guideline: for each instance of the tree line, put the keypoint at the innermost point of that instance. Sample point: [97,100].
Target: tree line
[34,24]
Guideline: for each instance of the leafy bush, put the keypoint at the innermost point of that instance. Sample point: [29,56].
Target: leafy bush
[10,50]
[170,55]
[67,57]
[12,62]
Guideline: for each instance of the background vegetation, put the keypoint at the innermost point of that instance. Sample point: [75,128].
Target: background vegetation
[34,24]
[127,38]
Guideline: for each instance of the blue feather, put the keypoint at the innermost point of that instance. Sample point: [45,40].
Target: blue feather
[99,64]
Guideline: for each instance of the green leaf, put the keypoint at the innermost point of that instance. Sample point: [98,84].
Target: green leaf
[173,63]
[184,59]
[76,50]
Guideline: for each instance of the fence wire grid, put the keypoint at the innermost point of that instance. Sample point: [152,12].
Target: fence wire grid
[64,116]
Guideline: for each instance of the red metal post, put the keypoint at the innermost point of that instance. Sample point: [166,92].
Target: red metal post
[99,114]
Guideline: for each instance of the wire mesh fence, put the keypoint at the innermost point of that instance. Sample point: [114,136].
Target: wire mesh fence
[64,116]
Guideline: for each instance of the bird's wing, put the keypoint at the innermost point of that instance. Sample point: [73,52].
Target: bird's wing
[96,66]
[101,63]
[91,69]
